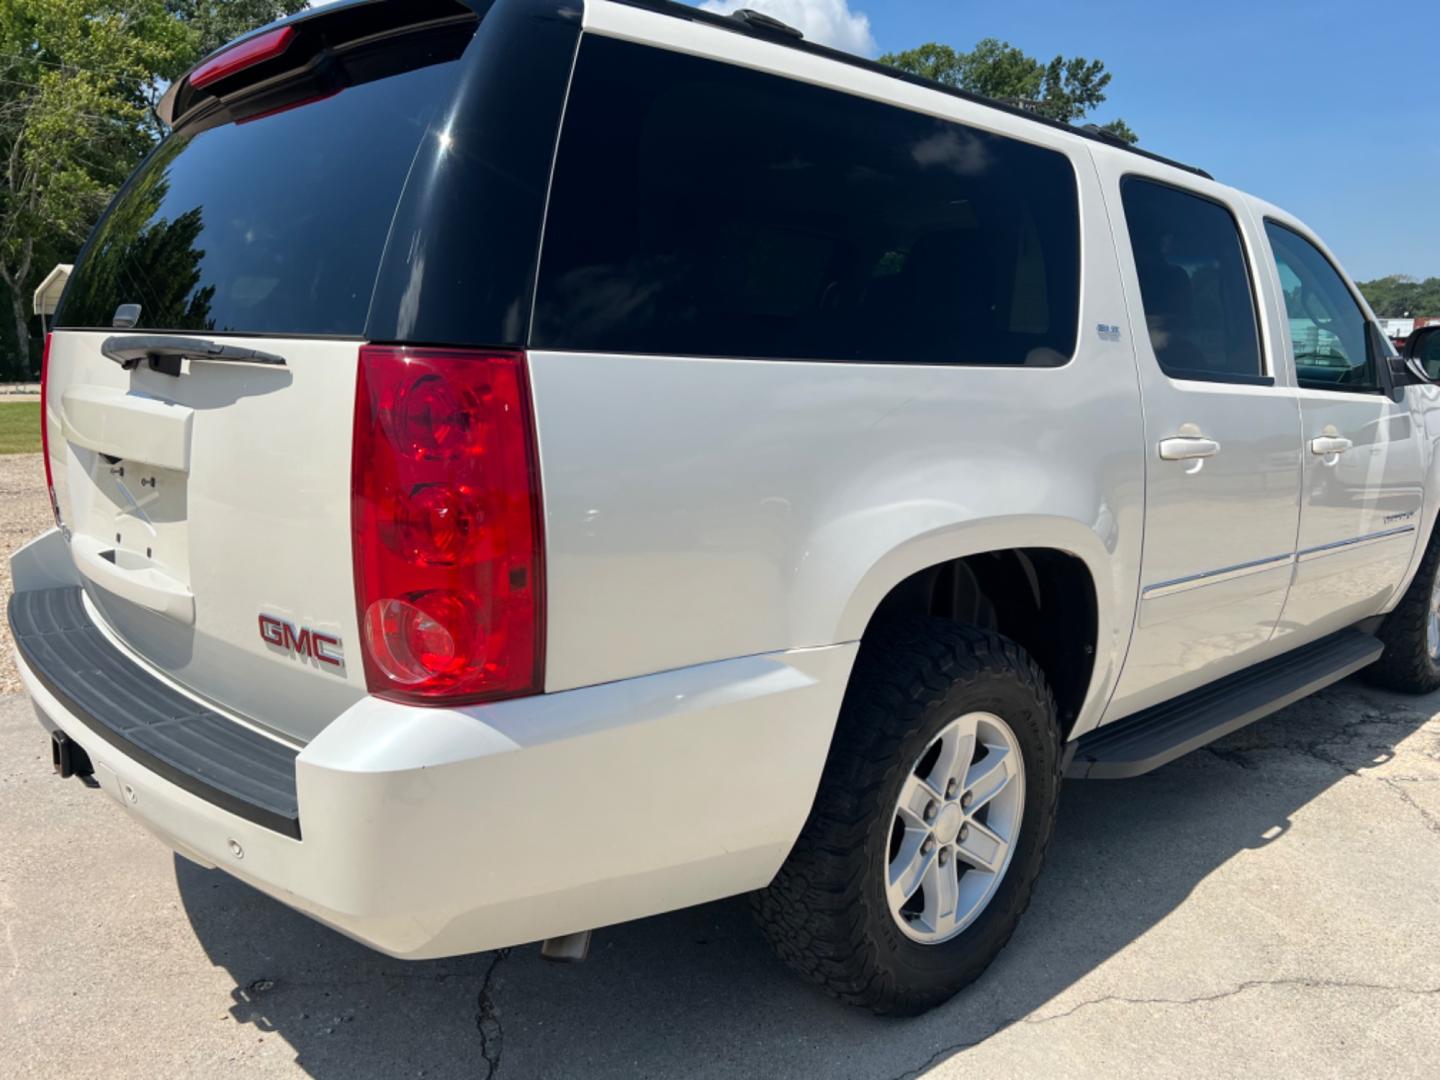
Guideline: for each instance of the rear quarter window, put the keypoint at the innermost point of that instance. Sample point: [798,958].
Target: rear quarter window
[704,209]
[274,225]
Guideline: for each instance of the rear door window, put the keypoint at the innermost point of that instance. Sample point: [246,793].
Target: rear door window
[704,209]
[1194,283]
[273,225]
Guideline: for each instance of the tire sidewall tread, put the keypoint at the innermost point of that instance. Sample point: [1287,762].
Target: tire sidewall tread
[1406,665]
[826,911]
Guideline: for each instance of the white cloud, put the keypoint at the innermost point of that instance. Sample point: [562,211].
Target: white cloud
[826,22]
[957,150]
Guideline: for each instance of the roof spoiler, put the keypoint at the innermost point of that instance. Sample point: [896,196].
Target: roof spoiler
[306,46]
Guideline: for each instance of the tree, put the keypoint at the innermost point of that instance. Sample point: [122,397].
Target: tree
[1064,89]
[78,79]
[166,247]
[1394,296]
[74,94]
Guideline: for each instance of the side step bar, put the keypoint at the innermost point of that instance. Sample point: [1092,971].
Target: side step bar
[1164,732]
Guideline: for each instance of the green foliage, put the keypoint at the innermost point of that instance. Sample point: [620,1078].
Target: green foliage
[1122,130]
[1394,296]
[166,247]
[1064,89]
[931,61]
[78,79]
[74,95]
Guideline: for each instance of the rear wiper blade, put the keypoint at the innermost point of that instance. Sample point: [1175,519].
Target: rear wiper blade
[164,352]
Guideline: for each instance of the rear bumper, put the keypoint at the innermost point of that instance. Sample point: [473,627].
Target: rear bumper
[149,721]
[436,832]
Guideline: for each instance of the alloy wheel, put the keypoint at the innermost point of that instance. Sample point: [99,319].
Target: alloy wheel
[956,825]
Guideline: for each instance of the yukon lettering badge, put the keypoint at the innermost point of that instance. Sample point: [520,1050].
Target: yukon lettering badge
[302,641]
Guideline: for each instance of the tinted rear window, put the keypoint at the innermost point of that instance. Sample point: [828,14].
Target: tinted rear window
[271,225]
[704,209]
[1194,283]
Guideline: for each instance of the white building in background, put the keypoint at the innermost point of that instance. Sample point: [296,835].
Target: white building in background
[1397,328]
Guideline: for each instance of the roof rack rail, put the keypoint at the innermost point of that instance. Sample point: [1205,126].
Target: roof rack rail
[758,20]
[757,24]
[1107,136]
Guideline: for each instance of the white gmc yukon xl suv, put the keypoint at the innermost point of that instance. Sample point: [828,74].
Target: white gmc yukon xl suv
[529,465]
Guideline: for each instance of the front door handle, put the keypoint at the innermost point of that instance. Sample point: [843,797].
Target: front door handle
[1185,447]
[1325,445]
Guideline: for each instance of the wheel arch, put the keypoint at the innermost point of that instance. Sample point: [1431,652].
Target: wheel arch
[1428,419]
[1055,599]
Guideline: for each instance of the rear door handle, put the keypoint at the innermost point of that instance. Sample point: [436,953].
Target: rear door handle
[1326,445]
[1186,447]
[141,583]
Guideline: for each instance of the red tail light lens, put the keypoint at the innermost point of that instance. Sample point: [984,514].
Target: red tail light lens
[264,46]
[446,519]
[45,426]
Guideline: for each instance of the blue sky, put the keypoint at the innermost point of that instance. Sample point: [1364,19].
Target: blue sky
[1330,109]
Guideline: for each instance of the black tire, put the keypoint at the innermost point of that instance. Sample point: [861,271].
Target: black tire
[826,913]
[1406,665]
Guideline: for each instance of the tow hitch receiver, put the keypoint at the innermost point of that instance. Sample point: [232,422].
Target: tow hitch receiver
[68,756]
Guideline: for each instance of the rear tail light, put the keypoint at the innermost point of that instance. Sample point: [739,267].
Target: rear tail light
[248,53]
[45,427]
[446,521]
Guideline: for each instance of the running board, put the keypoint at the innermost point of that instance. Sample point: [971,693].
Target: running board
[1164,732]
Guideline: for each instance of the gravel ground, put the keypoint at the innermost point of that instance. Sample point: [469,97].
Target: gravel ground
[26,513]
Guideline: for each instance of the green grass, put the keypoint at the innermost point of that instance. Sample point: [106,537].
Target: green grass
[19,427]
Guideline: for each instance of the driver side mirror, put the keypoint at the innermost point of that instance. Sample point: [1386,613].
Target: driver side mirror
[1422,351]
[1402,369]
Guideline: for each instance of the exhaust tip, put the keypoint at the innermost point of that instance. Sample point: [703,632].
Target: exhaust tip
[567,949]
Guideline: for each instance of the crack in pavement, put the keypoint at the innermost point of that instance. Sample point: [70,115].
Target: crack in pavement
[1199,999]
[1431,821]
[1348,734]
[487,1019]
[1428,819]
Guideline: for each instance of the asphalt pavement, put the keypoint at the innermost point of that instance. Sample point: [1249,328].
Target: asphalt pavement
[1267,907]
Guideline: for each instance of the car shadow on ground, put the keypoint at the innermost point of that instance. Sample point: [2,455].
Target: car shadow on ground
[698,993]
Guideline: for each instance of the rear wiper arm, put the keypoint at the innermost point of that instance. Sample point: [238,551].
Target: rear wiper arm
[164,352]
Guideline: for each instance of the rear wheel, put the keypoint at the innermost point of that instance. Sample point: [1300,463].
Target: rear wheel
[1411,633]
[931,823]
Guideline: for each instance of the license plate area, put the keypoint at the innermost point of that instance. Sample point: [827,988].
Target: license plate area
[143,511]
[130,533]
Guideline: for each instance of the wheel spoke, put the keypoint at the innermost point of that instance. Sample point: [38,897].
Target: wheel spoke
[975,886]
[915,797]
[957,750]
[908,868]
[942,894]
[981,848]
[988,776]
